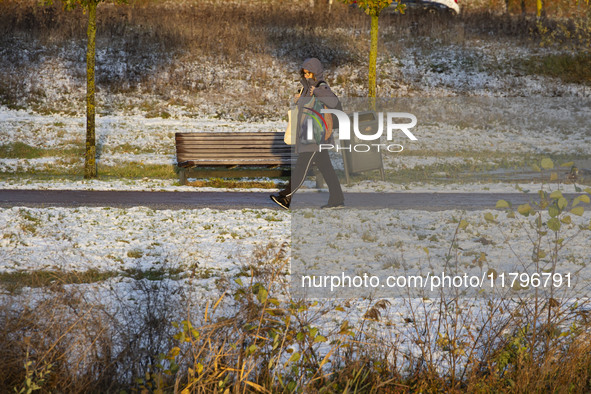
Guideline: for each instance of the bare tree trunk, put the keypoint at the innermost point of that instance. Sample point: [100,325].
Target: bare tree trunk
[373,56]
[523,7]
[506,6]
[90,161]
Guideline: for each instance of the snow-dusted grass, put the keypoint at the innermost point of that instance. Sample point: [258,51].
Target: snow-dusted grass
[455,136]
[109,239]
[383,242]
[112,240]
[120,140]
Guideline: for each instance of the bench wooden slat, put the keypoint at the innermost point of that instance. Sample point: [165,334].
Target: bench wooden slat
[237,152]
[234,146]
[232,142]
[232,162]
[227,158]
[234,134]
[242,145]
[197,136]
[233,137]
[184,155]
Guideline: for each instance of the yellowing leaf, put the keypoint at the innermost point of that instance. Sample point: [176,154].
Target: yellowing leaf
[579,211]
[576,201]
[463,224]
[547,164]
[502,204]
[257,387]
[262,295]
[554,224]
[274,301]
[584,198]
[294,357]
[556,194]
[553,176]
[570,163]
[489,217]
[566,220]
[524,209]
[492,272]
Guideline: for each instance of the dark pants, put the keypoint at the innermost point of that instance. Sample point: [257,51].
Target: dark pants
[322,161]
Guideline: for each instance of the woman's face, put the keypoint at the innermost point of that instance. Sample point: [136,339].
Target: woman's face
[308,74]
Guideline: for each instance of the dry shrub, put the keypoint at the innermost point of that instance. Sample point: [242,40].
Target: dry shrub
[63,338]
[67,338]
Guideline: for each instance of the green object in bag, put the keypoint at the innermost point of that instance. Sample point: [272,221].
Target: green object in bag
[314,119]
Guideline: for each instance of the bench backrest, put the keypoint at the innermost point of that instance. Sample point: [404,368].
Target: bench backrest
[265,149]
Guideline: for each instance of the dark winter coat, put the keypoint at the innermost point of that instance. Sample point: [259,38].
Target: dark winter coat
[322,92]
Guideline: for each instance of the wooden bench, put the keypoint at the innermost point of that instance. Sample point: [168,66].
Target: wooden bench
[232,155]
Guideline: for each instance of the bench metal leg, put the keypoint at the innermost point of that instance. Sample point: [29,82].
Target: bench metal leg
[183,176]
[319,179]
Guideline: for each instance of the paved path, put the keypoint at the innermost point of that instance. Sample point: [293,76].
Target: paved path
[239,200]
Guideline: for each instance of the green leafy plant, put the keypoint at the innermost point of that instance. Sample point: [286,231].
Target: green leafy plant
[34,376]
[546,222]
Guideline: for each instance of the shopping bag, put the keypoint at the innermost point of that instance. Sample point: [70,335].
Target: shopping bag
[292,124]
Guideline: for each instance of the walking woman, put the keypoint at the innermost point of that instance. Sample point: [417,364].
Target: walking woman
[313,87]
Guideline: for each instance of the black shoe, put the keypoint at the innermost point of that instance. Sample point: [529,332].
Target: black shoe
[283,202]
[333,205]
